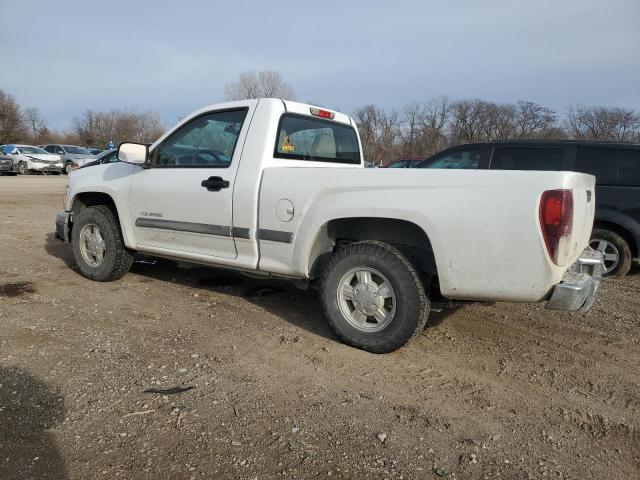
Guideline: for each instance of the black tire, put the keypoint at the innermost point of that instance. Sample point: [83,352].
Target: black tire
[412,305]
[117,258]
[23,168]
[625,258]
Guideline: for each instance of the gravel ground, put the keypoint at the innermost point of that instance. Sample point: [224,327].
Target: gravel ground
[91,377]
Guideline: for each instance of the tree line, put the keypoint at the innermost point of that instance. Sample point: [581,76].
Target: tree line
[91,128]
[419,130]
[416,130]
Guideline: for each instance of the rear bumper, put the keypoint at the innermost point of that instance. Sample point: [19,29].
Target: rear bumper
[62,226]
[577,290]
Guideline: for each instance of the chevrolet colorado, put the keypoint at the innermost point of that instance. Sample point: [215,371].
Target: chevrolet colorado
[279,188]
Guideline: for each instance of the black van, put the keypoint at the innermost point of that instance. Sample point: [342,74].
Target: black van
[616,167]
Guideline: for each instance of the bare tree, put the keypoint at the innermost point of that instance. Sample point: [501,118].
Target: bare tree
[379,133]
[263,84]
[12,125]
[533,120]
[99,128]
[602,123]
[36,124]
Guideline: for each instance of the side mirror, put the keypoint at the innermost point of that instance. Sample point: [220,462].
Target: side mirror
[136,153]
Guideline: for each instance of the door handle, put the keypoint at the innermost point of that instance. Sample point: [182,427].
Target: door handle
[215,184]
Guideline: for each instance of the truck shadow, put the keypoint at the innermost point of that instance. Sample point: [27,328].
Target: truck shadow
[29,410]
[281,298]
[57,248]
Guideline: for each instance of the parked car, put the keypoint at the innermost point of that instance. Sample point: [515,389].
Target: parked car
[7,164]
[616,167]
[28,158]
[73,156]
[108,156]
[279,188]
[404,163]
[95,150]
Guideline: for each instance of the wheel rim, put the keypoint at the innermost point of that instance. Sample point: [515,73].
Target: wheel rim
[366,299]
[609,252]
[67,168]
[22,168]
[92,245]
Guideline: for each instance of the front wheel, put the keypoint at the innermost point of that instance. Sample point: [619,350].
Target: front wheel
[68,168]
[97,244]
[373,297]
[23,168]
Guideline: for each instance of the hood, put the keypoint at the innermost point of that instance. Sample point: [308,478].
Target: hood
[80,160]
[80,156]
[49,157]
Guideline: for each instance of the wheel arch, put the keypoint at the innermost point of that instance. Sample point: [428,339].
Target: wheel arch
[625,227]
[405,235]
[83,200]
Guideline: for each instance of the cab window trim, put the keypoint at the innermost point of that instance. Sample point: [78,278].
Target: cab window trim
[153,156]
[294,156]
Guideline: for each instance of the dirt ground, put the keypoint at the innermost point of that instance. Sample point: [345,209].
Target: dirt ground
[502,391]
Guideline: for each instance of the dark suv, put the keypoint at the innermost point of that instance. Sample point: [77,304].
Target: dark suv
[616,167]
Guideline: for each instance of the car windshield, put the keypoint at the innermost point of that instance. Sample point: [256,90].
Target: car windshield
[104,154]
[33,151]
[76,150]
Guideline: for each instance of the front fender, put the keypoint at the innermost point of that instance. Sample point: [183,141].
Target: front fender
[108,179]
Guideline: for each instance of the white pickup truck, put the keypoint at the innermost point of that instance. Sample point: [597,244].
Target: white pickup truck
[279,188]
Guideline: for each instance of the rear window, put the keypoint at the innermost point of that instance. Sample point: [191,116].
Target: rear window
[305,138]
[611,166]
[509,158]
[468,158]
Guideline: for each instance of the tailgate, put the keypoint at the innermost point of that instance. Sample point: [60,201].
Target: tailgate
[584,201]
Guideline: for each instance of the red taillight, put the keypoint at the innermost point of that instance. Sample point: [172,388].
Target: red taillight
[556,219]
[318,112]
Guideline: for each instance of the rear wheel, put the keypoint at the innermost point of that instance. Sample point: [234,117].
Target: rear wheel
[23,169]
[615,249]
[97,244]
[373,297]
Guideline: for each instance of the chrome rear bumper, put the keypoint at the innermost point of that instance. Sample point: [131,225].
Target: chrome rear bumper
[577,290]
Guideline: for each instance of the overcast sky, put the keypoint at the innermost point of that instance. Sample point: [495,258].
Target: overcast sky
[172,57]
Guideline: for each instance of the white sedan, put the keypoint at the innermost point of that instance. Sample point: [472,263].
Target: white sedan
[33,159]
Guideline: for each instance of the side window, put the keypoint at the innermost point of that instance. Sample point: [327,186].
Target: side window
[464,158]
[522,158]
[59,150]
[307,138]
[611,166]
[207,141]
[49,148]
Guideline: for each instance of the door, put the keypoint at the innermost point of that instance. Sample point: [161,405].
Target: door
[183,201]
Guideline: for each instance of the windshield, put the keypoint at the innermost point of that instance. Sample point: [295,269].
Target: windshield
[76,150]
[32,151]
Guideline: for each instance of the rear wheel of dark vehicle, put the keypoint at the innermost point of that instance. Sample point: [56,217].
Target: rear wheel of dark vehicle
[373,297]
[68,168]
[23,168]
[615,249]
[97,244]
